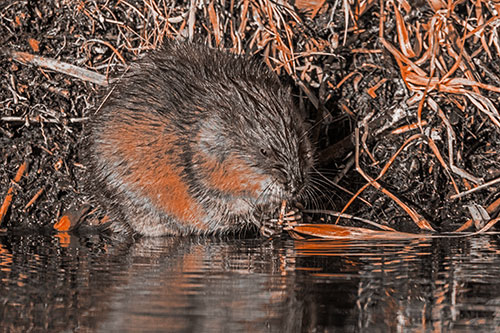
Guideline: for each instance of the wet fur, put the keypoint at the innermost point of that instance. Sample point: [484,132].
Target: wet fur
[193,140]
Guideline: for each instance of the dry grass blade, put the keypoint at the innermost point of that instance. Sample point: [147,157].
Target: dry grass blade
[215,22]
[440,158]
[10,193]
[404,40]
[115,51]
[334,232]
[485,106]
[347,11]
[451,137]
[409,127]
[372,91]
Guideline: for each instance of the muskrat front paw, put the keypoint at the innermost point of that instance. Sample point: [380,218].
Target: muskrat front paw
[294,216]
[270,228]
[273,227]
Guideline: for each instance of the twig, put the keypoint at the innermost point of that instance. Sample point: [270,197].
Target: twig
[39,119]
[477,188]
[59,66]
[35,197]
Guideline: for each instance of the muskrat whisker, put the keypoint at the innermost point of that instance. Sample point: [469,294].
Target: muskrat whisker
[316,186]
[263,194]
[329,181]
[324,172]
[320,183]
[308,198]
[314,199]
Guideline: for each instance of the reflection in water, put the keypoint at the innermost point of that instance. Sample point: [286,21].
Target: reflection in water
[212,285]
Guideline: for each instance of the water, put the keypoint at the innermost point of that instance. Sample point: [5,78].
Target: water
[51,283]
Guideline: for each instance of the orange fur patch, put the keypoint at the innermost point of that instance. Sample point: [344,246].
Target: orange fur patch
[152,170]
[234,176]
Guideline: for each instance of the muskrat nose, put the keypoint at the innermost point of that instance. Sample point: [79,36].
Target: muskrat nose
[292,183]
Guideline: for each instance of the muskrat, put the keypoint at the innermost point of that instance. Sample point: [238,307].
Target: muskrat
[195,140]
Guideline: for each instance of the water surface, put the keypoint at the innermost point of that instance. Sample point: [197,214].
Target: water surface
[51,283]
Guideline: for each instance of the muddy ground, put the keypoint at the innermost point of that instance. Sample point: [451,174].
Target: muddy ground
[346,77]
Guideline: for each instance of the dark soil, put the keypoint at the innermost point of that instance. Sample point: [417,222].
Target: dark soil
[43,113]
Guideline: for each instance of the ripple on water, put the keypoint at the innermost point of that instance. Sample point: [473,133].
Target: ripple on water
[212,285]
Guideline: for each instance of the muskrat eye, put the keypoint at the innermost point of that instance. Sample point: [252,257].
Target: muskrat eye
[263,152]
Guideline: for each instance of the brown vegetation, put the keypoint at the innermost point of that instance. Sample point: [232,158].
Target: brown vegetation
[419,80]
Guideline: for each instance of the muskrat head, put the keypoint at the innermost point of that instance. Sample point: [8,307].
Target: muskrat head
[256,143]
[278,146]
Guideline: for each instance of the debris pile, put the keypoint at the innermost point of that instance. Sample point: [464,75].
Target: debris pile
[402,96]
